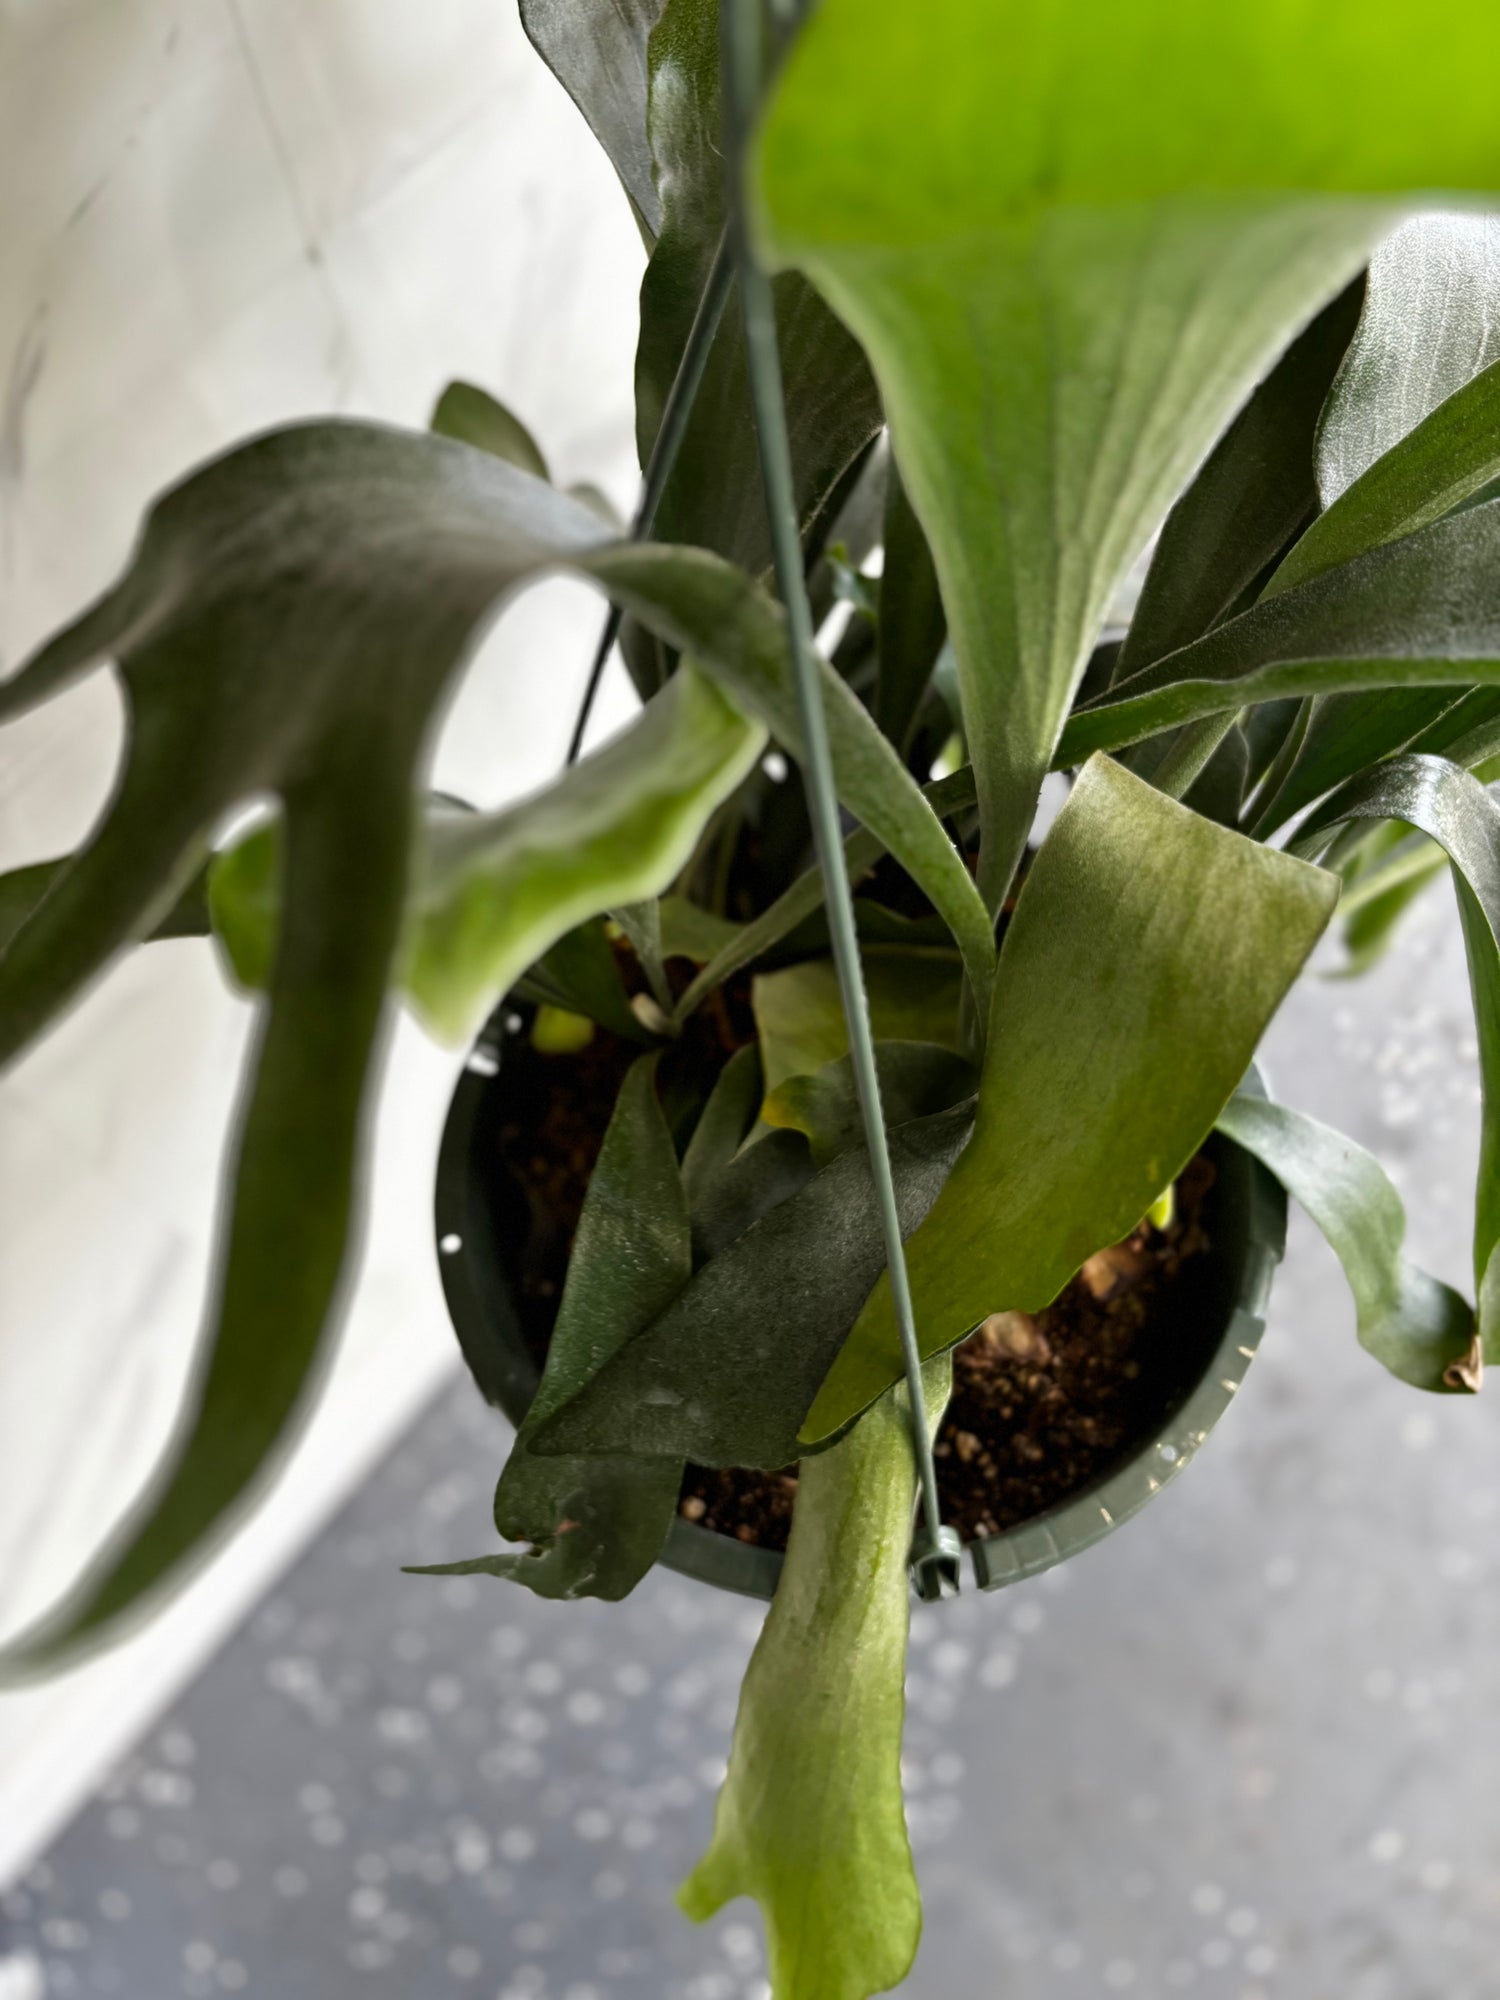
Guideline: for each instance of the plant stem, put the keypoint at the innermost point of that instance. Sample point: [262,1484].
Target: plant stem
[934,1564]
[668,443]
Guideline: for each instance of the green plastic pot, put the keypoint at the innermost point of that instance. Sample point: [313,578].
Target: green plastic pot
[1216,1311]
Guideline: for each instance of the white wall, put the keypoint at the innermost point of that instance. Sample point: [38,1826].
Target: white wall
[216,215]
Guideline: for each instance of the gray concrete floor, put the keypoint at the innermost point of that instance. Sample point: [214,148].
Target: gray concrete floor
[1246,1748]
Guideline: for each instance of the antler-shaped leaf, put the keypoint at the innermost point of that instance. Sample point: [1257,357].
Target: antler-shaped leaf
[833,411]
[1453,808]
[596,1525]
[1421,612]
[597,51]
[1410,431]
[1416,1326]
[291,622]
[1052,229]
[725,1374]
[21,889]
[1253,492]
[490,892]
[1431,322]
[810,1821]
[1450,455]
[913,995]
[1087,1112]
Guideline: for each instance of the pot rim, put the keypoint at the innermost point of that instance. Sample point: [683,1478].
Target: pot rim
[508,1377]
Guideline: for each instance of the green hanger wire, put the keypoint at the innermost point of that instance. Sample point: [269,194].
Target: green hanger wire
[935,1555]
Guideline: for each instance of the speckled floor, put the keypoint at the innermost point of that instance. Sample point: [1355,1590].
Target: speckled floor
[1246,1748]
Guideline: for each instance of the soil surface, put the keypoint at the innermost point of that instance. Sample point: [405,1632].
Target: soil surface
[1043,1405]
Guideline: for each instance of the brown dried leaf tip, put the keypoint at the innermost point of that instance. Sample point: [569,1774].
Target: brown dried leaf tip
[1468,1373]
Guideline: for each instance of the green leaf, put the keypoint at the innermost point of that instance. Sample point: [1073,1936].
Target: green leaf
[811,1820]
[492,891]
[244,904]
[767,1171]
[615,828]
[1345,733]
[1415,1326]
[641,923]
[913,997]
[725,1376]
[581,973]
[1410,432]
[1051,229]
[851,524]
[495,889]
[1219,790]
[1438,798]
[1383,866]
[1255,490]
[597,51]
[1467,732]
[917,1080]
[1431,323]
[1268,730]
[1384,898]
[596,1525]
[22,889]
[733,630]
[1420,612]
[912,626]
[1126,1009]
[282,1254]
[624,819]
[877,925]
[643,927]
[598,502]
[290,626]
[473,416]
[805,897]
[725,1119]
[763,933]
[1363,853]
[1450,456]
[714,496]
[1453,808]
[1341,734]
[689,931]
[292,567]
[852,587]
